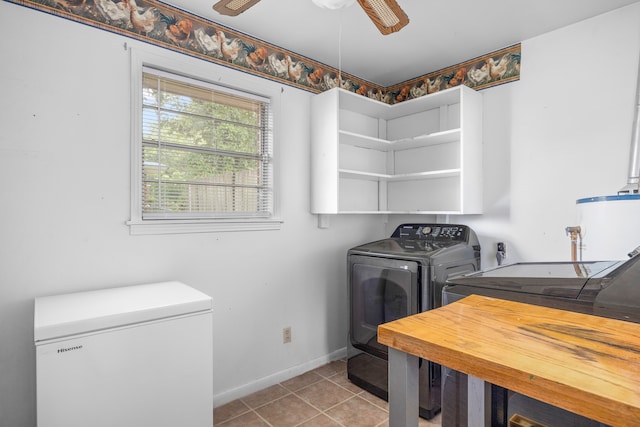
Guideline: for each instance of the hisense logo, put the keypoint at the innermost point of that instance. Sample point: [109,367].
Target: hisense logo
[65,349]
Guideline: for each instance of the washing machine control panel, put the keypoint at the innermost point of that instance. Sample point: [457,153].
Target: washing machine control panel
[439,232]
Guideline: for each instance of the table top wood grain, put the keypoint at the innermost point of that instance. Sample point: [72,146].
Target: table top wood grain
[585,364]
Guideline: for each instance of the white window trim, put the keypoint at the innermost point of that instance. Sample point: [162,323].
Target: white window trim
[194,68]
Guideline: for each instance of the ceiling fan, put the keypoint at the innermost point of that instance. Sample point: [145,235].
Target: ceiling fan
[387,16]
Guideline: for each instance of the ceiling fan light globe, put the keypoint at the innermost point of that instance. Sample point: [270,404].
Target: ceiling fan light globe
[333,4]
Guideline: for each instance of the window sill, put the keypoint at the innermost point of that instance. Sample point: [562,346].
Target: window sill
[150,227]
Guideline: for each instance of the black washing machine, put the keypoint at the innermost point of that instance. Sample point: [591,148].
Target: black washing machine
[396,277]
[602,288]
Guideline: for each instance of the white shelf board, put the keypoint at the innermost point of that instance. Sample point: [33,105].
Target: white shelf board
[364,141]
[402,212]
[444,173]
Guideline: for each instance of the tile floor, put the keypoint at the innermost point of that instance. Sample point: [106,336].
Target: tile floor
[323,397]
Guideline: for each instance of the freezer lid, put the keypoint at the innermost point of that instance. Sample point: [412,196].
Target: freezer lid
[76,313]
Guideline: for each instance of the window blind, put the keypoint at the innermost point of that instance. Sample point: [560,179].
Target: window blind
[206,150]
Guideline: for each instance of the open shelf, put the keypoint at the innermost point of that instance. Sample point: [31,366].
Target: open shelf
[417,156]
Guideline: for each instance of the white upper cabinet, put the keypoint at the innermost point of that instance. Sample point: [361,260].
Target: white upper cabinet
[418,156]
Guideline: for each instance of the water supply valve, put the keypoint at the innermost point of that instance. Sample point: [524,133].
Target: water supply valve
[501,254]
[575,233]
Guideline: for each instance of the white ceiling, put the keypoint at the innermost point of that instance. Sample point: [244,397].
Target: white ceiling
[439,34]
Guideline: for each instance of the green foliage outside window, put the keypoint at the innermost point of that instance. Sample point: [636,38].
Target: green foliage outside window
[204,151]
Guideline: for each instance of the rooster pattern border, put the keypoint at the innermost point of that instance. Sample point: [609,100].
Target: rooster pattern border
[168,27]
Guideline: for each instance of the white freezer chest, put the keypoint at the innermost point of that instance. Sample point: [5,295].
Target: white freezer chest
[132,356]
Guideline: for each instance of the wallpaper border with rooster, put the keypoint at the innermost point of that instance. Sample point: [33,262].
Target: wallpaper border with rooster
[171,28]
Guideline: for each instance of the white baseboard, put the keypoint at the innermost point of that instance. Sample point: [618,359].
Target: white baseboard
[276,378]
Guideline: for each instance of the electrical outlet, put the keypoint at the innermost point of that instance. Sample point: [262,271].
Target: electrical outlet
[286,335]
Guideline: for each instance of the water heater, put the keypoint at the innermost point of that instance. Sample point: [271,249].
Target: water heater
[610,226]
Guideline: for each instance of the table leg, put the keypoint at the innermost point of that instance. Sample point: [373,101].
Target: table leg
[478,402]
[403,389]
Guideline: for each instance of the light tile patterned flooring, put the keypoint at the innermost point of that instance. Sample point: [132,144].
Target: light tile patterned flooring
[323,397]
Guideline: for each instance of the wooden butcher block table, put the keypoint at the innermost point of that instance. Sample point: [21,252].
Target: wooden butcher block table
[585,364]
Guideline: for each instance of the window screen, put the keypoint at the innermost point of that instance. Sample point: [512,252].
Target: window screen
[206,150]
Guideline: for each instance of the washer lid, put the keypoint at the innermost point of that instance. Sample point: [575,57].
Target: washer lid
[623,294]
[404,247]
[69,314]
[558,279]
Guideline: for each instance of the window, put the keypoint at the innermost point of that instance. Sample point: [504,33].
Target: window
[205,156]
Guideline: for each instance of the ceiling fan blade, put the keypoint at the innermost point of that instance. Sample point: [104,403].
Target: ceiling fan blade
[233,7]
[385,14]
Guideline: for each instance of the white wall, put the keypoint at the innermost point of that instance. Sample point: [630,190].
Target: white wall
[64,191]
[561,133]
